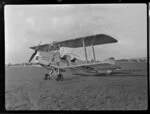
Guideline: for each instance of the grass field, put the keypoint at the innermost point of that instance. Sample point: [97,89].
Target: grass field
[25,89]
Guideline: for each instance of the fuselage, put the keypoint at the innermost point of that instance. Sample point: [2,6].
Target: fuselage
[54,60]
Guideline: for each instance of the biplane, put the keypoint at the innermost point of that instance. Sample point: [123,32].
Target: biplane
[49,57]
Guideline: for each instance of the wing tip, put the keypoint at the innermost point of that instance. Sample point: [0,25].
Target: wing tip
[115,40]
[112,38]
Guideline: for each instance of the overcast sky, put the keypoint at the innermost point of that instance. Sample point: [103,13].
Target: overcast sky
[27,25]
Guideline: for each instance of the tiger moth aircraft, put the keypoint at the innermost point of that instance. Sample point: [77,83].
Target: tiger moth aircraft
[49,57]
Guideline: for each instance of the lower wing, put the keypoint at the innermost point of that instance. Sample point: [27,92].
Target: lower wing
[90,69]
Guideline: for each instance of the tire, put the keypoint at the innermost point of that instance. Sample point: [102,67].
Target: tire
[62,78]
[46,75]
[59,77]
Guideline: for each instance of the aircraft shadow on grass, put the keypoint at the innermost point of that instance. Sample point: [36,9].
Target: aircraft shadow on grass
[114,74]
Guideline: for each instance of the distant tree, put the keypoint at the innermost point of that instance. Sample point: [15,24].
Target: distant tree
[134,60]
[123,60]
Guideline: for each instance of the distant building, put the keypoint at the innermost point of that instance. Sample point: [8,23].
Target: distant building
[139,59]
[9,64]
[112,58]
[142,60]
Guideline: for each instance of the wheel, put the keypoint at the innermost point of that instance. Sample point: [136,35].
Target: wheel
[49,78]
[46,76]
[59,77]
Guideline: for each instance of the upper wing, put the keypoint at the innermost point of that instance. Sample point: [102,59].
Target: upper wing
[98,39]
[45,47]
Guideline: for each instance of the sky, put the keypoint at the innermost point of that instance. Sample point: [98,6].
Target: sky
[27,25]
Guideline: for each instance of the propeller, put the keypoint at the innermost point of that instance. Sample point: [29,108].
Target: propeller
[34,53]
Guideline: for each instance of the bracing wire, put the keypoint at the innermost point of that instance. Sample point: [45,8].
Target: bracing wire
[62,51]
[88,53]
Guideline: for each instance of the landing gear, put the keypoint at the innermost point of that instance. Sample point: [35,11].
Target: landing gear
[54,72]
[47,76]
[60,77]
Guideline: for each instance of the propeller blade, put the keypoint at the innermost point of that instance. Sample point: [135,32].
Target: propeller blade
[34,53]
[32,56]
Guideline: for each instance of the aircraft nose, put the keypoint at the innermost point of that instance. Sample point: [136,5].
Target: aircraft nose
[37,59]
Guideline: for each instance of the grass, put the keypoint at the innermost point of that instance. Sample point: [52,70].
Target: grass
[26,90]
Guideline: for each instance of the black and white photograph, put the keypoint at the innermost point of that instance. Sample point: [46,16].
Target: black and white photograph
[76,57]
